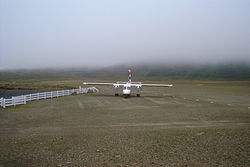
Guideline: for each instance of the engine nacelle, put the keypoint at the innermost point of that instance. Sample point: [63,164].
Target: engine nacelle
[138,87]
[116,86]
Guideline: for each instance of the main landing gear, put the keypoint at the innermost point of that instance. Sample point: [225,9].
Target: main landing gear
[116,91]
[138,92]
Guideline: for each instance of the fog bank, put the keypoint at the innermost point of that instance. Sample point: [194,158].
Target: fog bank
[58,34]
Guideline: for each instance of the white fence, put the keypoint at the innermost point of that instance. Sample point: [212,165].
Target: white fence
[23,99]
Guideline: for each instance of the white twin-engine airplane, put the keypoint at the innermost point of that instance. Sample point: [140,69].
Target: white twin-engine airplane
[128,85]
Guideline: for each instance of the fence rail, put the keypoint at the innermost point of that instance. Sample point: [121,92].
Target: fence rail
[23,99]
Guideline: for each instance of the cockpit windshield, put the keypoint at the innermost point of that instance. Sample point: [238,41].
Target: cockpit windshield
[126,88]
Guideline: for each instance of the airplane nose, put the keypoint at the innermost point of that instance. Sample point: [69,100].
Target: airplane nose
[126,92]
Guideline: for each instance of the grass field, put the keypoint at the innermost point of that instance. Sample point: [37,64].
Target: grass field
[195,123]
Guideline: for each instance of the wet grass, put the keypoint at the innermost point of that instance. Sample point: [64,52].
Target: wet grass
[197,123]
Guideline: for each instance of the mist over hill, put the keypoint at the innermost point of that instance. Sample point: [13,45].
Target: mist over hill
[215,71]
[229,71]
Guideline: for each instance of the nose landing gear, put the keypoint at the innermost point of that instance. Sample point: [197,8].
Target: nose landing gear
[126,95]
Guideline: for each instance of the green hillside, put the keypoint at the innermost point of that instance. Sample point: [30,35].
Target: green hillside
[219,71]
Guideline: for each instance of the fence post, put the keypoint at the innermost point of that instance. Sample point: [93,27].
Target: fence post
[13,101]
[3,102]
[24,99]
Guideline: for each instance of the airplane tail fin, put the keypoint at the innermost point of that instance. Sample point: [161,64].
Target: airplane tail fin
[129,76]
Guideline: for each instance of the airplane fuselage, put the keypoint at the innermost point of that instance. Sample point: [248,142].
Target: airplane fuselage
[126,89]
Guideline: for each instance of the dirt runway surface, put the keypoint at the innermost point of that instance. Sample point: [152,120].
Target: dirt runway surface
[198,123]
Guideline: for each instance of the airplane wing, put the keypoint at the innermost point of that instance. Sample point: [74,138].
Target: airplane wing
[111,84]
[150,85]
[138,84]
[157,85]
[104,84]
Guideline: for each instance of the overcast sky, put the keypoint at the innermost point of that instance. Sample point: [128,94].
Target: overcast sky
[64,33]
